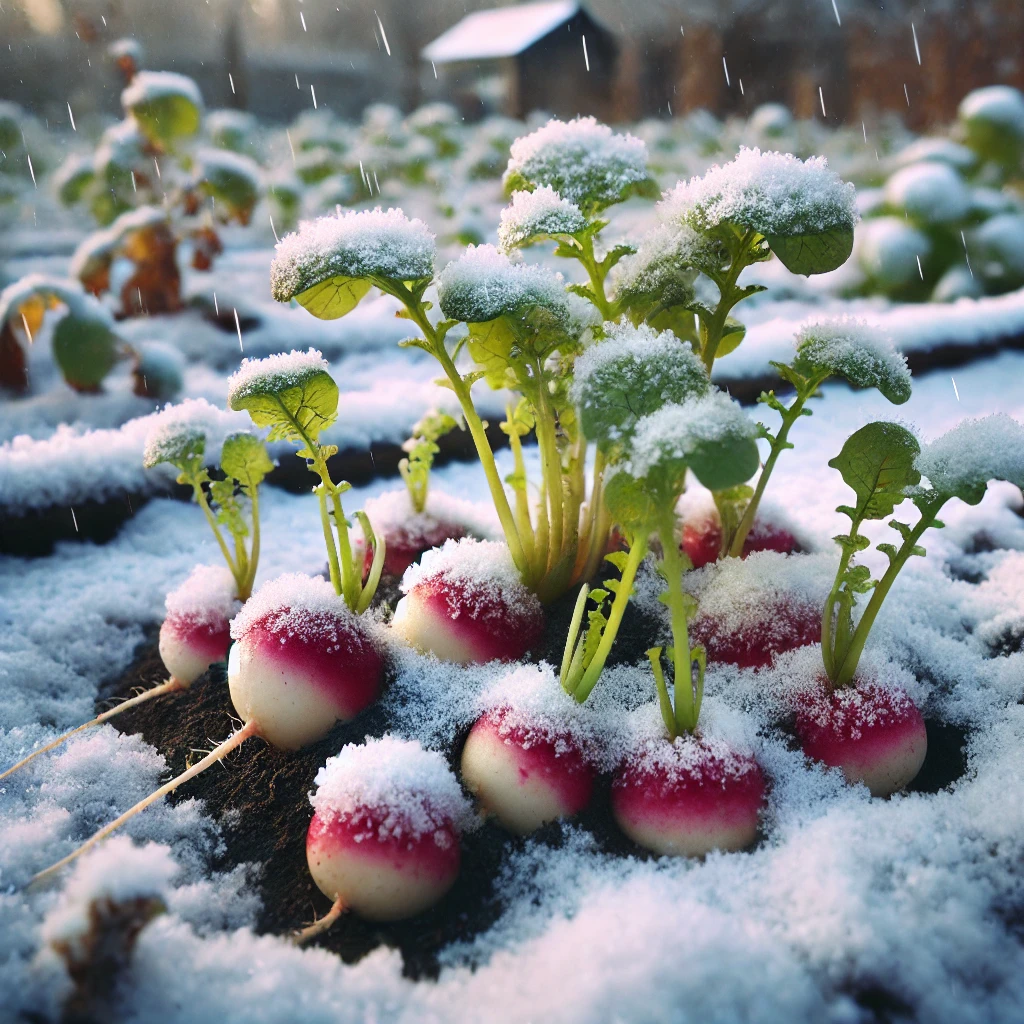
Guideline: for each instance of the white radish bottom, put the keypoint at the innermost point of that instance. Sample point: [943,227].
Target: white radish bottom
[382,875]
[523,781]
[189,647]
[876,736]
[704,801]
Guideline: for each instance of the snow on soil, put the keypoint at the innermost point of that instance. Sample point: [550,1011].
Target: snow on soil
[915,896]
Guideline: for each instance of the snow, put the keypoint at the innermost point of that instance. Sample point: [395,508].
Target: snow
[367,243]
[675,431]
[206,596]
[582,160]
[403,789]
[125,48]
[665,263]
[851,348]
[535,214]
[392,513]
[974,452]
[772,193]
[183,429]
[484,283]
[929,193]
[294,604]
[888,250]
[212,163]
[274,374]
[1000,246]
[999,105]
[147,86]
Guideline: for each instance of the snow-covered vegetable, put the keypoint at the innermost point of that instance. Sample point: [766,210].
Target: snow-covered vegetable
[384,838]
[993,124]
[167,106]
[296,398]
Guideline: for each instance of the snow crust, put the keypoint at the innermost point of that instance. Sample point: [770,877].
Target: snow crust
[973,453]
[541,212]
[208,595]
[773,193]
[582,160]
[274,374]
[403,789]
[364,243]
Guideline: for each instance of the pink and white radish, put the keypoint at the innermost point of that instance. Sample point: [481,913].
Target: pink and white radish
[702,539]
[465,603]
[875,734]
[688,796]
[300,663]
[194,635]
[384,839]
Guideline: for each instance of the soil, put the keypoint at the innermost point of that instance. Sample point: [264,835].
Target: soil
[260,796]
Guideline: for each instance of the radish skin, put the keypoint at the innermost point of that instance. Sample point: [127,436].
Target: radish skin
[524,780]
[405,544]
[691,802]
[772,629]
[702,540]
[189,646]
[874,735]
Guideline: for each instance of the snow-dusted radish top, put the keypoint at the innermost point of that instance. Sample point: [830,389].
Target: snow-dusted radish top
[206,597]
[538,214]
[147,86]
[193,425]
[364,243]
[663,264]
[410,791]
[772,193]
[274,374]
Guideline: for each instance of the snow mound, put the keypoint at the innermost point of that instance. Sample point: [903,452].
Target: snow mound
[147,86]
[848,347]
[963,460]
[356,243]
[274,374]
[999,105]
[771,193]
[888,250]
[484,283]
[929,193]
[582,160]
[411,790]
[540,213]
[208,595]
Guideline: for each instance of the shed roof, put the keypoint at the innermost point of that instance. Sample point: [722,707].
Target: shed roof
[503,32]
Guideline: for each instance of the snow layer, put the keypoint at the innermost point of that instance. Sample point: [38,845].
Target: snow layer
[206,596]
[537,214]
[147,86]
[274,374]
[973,453]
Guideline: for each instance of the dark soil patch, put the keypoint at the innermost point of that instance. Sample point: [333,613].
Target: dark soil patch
[945,762]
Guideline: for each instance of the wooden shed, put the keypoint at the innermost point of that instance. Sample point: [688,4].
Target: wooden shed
[549,56]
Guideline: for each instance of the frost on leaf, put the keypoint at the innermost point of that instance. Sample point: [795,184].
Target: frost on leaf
[584,161]
[630,374]
[851,348]
[962,461]
[291,393]
[233,180]
[533,216]
[330,263]
[804,210]
[167,106]
[710,435]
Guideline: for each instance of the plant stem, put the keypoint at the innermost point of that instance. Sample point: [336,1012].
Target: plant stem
[590,264]
[574,632]
[728,297]
[332,550]
[846,663]
[687,707]
[200,494]
[827,646]
[254,550]
[636,555]
[552,464]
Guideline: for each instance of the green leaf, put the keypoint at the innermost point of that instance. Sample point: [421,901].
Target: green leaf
[813,253]
[732,334]
[724,463]
[85,349]
[334,297]
[629,502]
[244,458]
[164,119]
[229,509]
[291,410]
[491,346]
[878,463]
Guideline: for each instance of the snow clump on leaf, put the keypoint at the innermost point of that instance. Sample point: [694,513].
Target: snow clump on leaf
[413,787]
[354,244]
[274,374]
[532,216]
[851,348]
[584,161]
[182,431]
[207,595]
[665,266]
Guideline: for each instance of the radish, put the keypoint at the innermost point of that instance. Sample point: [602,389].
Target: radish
[300,663]
[875,735]
[465,603]
[194,635]
[384,838]
[702,540]
[529,759]
[688,796]
[751,610]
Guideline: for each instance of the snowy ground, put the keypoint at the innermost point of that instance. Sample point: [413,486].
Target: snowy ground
[918,897]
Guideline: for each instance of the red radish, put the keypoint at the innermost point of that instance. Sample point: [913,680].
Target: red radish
[465,603]
[688,796]
[300,663]
[753,609]
[702,539]
[874,734]
[384,839]
[194,635]
[524,778]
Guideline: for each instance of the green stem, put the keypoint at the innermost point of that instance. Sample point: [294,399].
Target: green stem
[551,463]
[197,489]
[687,707]
[332,550]
[524,522]
[589,261]
[254,551]
[846,664]
[622,596]
[574,632]
[729,295]
[827,647]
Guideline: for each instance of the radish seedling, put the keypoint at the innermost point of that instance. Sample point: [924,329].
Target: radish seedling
[301,662]
[875,734]
[465,603]
[384,838]
[297,399]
